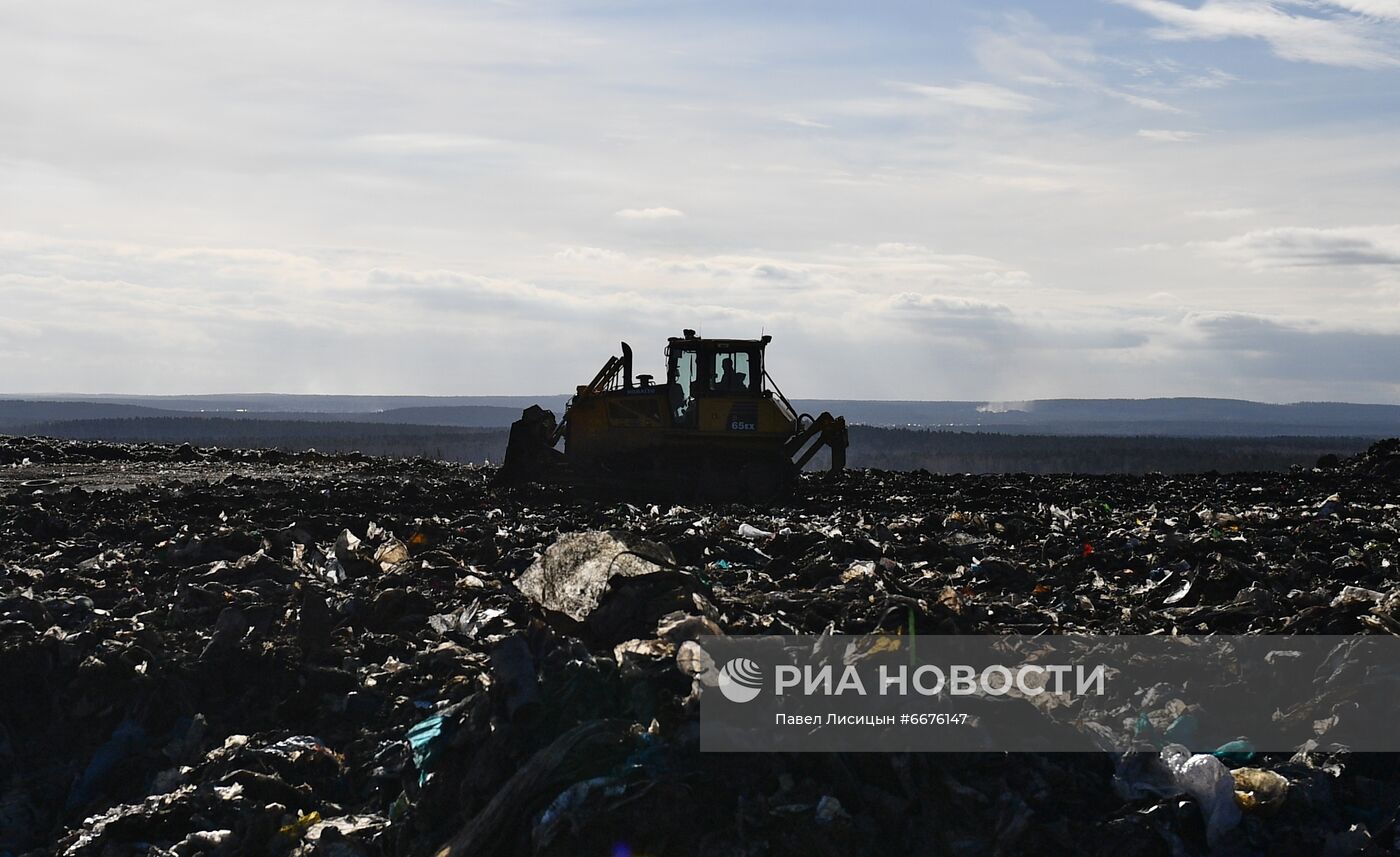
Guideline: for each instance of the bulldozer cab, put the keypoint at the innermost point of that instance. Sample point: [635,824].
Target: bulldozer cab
[699,368]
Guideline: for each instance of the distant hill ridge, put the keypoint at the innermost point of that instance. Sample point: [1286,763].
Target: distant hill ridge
[1174,417]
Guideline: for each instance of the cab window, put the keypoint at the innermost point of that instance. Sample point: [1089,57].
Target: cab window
[731,372]
[685,381]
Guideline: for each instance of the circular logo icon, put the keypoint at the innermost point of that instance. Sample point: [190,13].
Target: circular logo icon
[740,680]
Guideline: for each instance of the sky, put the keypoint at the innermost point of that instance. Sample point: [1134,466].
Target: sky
[917,200]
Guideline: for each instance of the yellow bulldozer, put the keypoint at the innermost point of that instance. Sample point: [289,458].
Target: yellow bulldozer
[717,429]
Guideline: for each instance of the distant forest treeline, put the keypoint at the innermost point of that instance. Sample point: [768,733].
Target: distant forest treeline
[883,448]
[972,452]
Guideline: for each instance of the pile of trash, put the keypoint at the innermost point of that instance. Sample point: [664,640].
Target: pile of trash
[306,654]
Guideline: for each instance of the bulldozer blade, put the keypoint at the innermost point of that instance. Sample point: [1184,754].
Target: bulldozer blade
[530,452]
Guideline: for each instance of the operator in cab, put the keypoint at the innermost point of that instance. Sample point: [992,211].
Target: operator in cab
[729,379]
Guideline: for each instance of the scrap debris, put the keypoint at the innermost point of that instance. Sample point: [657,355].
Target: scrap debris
[243,652]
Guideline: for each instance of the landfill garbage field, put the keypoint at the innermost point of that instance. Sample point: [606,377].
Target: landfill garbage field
[246,652]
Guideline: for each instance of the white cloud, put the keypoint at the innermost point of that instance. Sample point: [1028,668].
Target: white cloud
[1211,78]
[1329,40]
[1306,247]
[802,122]
[1162,135]
[589,254]
[1222,213]
[924,304]
[1022,49]
[1143,101]
[1026,51]
[660,213]
[1388,10]
[982,96]
[421,142]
